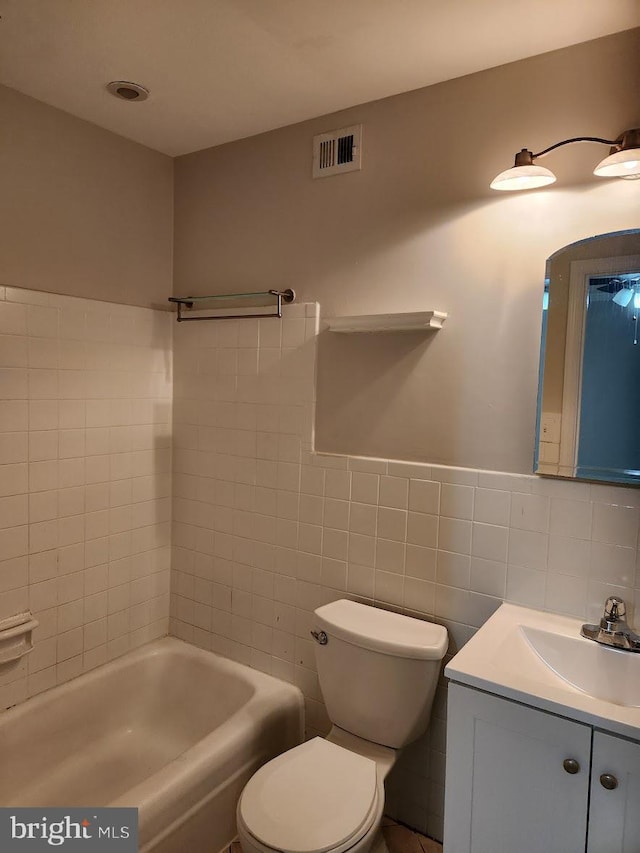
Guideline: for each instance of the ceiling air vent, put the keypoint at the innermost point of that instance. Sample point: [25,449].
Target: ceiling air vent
[337,151]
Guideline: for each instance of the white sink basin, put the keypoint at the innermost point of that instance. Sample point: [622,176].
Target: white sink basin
[602,672]
[541,659]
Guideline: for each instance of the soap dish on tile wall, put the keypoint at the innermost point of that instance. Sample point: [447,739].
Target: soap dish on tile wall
[16,636]
[417,321]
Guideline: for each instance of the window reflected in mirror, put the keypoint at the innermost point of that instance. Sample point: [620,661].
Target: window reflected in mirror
[588,423]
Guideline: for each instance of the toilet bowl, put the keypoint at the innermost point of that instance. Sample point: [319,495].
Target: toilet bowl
[378,672]
[335,794]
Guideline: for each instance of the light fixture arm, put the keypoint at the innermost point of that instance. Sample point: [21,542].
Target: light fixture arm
[577,139]
[526,157]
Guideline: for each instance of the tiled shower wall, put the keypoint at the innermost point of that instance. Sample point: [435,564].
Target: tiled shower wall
[265,530]
[85,481]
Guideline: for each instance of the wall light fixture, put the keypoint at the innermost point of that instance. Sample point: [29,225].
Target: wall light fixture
[623,162]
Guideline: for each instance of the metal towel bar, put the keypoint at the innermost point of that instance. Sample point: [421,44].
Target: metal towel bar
[191,302]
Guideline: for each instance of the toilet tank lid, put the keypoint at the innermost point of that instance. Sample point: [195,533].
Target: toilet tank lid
[382,631]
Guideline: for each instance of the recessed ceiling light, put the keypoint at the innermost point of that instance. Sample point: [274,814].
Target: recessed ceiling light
[128,91]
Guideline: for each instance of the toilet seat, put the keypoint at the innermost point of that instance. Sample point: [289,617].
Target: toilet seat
[315,798]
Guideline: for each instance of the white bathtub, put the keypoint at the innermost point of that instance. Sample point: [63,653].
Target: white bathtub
[169,728]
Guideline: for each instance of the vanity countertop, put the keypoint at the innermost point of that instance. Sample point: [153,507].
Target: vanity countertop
[540,659]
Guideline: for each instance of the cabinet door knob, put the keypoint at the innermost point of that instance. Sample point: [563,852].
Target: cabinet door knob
[571,765]
[609,781]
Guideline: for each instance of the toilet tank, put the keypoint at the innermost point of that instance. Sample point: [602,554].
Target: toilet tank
[378,670]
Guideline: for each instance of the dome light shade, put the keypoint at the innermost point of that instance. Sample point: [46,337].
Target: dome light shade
[523,178]
[621,164]
[623,297]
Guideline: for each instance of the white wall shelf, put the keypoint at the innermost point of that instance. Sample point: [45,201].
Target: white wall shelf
[417,321]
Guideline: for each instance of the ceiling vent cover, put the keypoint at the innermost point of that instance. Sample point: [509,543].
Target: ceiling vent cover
[337,151]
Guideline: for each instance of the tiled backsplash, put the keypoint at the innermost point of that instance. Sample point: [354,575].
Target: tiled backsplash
[265,530]
[85,481]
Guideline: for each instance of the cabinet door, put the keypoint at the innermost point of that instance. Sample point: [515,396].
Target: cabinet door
[506,787]
[614,815]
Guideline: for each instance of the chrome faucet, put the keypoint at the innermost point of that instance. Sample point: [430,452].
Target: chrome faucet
[613,629]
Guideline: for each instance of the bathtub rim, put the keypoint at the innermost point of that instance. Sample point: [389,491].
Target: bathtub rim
[192,771]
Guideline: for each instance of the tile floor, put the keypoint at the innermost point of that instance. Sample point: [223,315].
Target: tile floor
[398,838]
[401,839]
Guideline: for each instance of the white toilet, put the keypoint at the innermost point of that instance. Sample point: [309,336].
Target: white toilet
[378,673]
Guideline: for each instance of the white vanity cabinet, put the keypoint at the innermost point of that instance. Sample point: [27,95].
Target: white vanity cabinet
[614,809]
[521,780]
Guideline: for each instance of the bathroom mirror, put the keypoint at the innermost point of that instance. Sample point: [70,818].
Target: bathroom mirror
[588,422]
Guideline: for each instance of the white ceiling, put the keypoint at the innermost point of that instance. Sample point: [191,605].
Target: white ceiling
[220,70]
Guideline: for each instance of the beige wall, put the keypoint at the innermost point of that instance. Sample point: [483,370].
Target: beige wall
[83,212]
[418,228]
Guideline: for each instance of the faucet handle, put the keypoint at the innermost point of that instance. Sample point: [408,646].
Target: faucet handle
[615,610]
[613,629]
